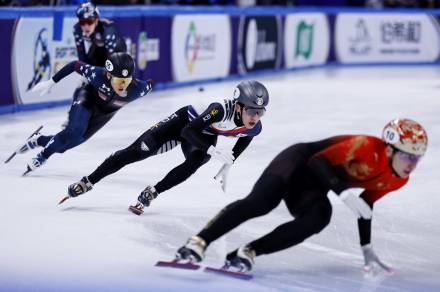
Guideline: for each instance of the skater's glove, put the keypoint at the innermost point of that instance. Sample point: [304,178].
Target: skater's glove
[222,175]
[371,260]
[44,87]
[223,155]
[359,207]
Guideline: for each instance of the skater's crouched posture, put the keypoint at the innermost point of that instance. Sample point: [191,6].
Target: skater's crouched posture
[109,89]
[196,128]
[303,174]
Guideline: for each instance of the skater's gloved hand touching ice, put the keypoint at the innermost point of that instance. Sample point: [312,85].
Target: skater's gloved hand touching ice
[44,86]
[372,261]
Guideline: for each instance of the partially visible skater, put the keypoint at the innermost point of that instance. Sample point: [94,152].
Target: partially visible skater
[112,88]
[196,128]
[302,175]
[96,38]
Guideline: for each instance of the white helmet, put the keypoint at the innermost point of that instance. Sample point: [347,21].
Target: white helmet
[406,135]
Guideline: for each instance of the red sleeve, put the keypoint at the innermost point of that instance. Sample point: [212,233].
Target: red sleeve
[372,196]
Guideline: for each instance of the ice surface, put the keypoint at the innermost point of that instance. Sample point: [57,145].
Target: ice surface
[92,243]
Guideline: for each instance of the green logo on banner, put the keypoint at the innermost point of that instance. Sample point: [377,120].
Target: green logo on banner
[304,40]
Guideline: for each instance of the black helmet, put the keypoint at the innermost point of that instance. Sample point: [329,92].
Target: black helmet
[120,65]
[87,10]
[252,94]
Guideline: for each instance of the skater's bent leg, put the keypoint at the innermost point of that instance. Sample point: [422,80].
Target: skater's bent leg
[264,197]
[72,135]
[116,161]
[182,172]
[312,221]
[43,140]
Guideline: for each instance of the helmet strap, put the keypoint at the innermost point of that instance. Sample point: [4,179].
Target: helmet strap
[238,117]
[239,113]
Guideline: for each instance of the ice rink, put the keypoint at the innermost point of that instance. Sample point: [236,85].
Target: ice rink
[92,243]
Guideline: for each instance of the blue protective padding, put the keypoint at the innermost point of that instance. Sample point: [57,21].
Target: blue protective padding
[58,17]
[33,106]
[115,11]
[163,86]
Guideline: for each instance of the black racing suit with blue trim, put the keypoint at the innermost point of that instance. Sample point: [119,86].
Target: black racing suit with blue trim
[195,132]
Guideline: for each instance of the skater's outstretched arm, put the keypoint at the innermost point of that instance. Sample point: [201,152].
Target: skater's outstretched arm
[241,145]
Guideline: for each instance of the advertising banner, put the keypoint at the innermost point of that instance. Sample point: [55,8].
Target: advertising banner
[6,28]
[200,47]
[259,39]
[379,37]
[306,39]
[36,57]
[148,41]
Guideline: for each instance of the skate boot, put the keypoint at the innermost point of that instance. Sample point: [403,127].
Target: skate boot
[242,259]
[35,163]
[79,188]
[193,250]
[31,143]
[144,200]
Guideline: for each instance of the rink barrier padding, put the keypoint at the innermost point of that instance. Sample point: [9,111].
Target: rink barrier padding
[182,46]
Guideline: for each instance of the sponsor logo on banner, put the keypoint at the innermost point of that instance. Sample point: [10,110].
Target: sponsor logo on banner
[360,40]
[198,47]
[41,62]
[386,38]
[258,43]
[306,39]
[400,32]
[201,46]
[149,50]
[37,57]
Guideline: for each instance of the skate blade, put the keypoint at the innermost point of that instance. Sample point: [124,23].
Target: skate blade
[228,273]
[135,210]
[27,171]
[15,152]
[177,265]
[10,157]
[63,200]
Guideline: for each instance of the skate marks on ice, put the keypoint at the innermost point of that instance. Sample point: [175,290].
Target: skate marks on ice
[166,233]
[95,209]
[342,269]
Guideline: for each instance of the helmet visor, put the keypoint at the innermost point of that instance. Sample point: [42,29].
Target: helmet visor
[408,157]
[119,81]
[251,111]
[87,21]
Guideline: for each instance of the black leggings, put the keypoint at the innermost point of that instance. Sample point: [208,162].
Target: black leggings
[160,138]
[309,205]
